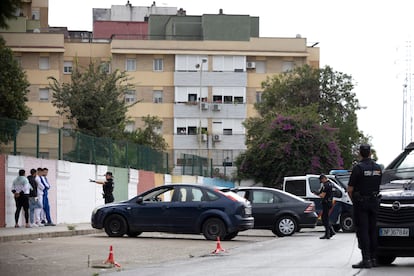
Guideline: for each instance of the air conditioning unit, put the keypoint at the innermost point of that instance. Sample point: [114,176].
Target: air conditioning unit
[250,65]
[216,107]
[216,138]
[204,106]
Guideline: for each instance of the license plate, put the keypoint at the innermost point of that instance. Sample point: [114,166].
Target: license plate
[394,232]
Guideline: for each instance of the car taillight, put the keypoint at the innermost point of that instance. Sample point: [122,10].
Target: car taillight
[310,208]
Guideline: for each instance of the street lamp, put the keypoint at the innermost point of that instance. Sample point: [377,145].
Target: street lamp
[200,67]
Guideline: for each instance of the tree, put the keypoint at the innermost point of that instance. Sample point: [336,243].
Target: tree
[148,135]
[13,93]
[8,10]
[330,92]
[94,100]
[286,145]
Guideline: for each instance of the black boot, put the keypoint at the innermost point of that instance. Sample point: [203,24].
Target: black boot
[332,231]
[327,235]
[363,264]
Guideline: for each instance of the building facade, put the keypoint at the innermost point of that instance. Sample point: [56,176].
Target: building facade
[201,75]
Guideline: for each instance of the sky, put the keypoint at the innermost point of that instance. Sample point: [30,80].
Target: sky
[369,40]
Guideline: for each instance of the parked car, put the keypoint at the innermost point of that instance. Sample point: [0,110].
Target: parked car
[177,208]
[305,187]
[281,212]
[395,224]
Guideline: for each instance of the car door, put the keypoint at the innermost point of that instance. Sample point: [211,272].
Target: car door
[265,207]
[152,213]
[185,209]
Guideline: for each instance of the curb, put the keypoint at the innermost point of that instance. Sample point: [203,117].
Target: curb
[34,236]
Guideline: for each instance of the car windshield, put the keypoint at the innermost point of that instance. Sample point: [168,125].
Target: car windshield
[400,173]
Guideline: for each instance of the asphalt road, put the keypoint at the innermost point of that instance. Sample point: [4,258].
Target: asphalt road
[254,252]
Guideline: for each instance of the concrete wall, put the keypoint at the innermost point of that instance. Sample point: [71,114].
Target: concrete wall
[71,196]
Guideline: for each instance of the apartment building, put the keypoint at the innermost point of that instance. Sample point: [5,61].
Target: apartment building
[200,74]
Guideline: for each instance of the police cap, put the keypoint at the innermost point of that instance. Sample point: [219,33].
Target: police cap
[109,173]
[322,176]
[364,147]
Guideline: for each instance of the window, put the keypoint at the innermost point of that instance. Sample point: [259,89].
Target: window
[192,97]
[105,67]
[158,64]
[181,130]
[67,67]
[130,96]
[296,187]
[35,14]
[192,130]
[227,131]
[217,99]
[263,197]
[315,184]
[260,67]
[238,99]
[67,129]
[129,127]
[43,94]
[228,99]
[287,66]
[44,63]
[43,126]
[18,59]
[259,96]
[157,96]
[131,64]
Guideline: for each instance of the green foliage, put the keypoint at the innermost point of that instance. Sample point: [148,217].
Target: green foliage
[13,92]
[287,145]
[315,130]
[93,100]
[149,135]
[8,9]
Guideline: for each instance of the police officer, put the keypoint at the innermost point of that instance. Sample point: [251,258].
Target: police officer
[326,194]
[107,186]
[363,189]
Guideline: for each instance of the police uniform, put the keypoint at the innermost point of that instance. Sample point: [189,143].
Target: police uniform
[326,206]
[108,189]
[365,181]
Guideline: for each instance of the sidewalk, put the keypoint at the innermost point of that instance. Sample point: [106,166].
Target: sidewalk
[60,230]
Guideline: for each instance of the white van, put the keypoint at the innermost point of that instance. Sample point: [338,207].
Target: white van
[305,186]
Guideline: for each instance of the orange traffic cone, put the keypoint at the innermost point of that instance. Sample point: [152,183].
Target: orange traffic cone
[218,247]
[110,259]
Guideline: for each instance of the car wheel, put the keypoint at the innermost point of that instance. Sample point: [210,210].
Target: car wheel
[231,236]
[213,228]
[115,226]
[385,260]
[133,234]
[347,223]
[285,226]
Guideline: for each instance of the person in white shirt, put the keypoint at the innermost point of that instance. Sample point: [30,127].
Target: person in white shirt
[21,190]
[40,189]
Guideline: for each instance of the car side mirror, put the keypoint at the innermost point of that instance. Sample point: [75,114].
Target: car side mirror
[140,199]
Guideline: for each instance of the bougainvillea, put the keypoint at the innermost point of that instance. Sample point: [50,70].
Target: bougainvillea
[288,145]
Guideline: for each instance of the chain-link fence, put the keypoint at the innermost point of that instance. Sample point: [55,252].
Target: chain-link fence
[22,138]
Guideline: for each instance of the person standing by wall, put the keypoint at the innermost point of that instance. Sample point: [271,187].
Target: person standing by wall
[327,196]
[21,190]
[107,186]
[33,199]
[363,189]
[40,188]
[46,205]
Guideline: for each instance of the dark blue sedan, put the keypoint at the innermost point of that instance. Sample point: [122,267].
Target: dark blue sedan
[177,208]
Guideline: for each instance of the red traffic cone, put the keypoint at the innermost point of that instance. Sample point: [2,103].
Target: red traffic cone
[218,247]
[110,259]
